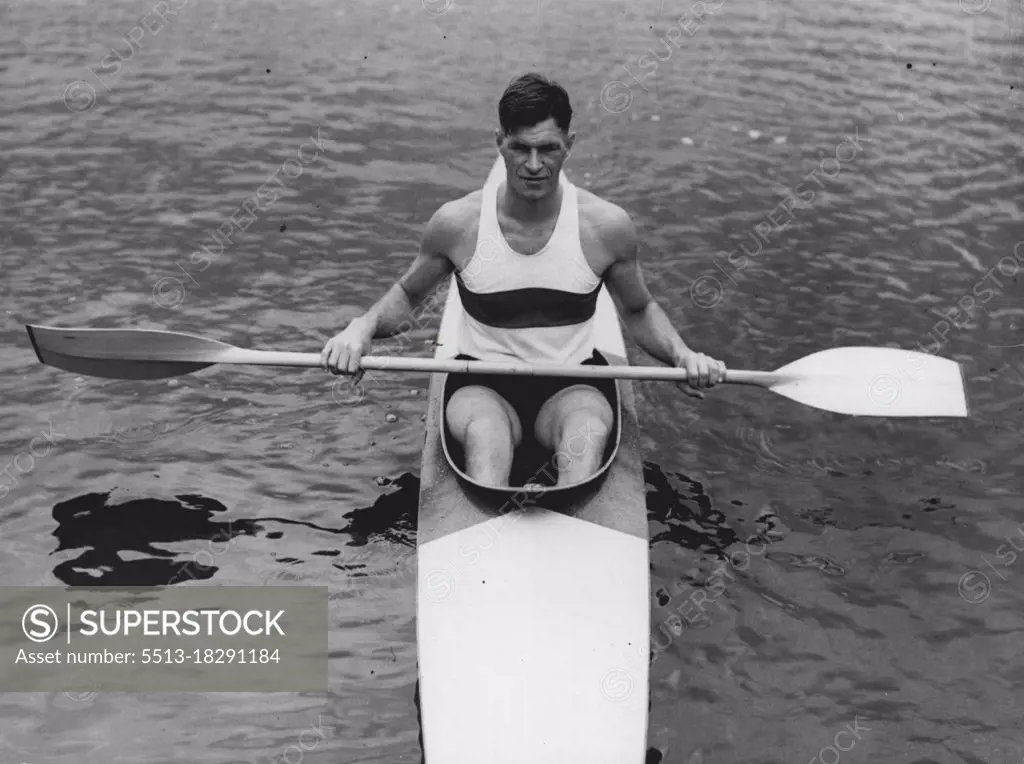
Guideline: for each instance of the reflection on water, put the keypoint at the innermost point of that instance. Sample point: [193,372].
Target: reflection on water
[259,173]
[104,532]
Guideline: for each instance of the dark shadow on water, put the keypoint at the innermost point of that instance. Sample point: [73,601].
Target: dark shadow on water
[103,530]
[677,504]
[687,518]
[392,517]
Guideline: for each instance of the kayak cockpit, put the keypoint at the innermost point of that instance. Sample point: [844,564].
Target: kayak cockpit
[535,468]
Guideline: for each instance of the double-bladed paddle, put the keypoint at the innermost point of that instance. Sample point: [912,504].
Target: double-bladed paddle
[861,381]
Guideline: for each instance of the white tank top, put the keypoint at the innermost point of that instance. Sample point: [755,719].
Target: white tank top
[531,308]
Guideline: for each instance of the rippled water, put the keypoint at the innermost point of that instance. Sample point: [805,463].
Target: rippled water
[350,123]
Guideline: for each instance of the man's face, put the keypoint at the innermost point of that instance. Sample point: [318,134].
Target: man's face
[534,157]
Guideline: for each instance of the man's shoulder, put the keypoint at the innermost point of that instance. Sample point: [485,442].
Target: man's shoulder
[606,222]
[454,219]
[460,211]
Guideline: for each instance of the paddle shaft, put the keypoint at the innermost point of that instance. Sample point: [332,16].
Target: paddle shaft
[397,363]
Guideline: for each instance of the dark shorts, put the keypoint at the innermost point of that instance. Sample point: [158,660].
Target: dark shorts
[528,394]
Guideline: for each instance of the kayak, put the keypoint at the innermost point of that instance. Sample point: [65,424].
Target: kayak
[533,616]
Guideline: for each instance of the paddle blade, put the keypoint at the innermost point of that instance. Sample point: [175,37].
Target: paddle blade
[870,381]
[119,353]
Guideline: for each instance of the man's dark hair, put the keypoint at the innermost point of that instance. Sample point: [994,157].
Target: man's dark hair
[531,99]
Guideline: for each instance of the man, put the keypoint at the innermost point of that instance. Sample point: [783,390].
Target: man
[562,243]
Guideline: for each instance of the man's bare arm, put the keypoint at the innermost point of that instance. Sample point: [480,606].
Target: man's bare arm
[645,320]
[392,312]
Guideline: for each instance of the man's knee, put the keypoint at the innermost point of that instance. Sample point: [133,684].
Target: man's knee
[586,428]
[479,411]
[576,417]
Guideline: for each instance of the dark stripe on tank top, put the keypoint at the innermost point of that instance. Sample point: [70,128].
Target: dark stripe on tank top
[529,308]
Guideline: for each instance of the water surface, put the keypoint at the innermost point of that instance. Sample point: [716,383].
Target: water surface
[858,604]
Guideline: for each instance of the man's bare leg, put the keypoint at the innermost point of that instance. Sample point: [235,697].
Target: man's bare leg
[575,423]
[489,431]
